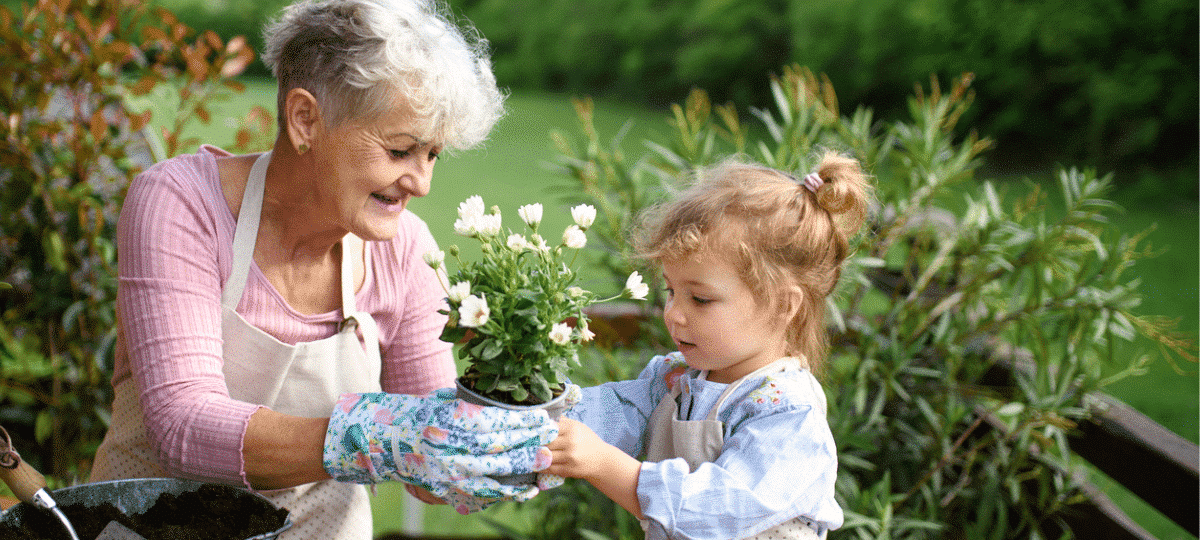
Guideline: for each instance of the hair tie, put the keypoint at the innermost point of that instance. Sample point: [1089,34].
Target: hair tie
[813,181]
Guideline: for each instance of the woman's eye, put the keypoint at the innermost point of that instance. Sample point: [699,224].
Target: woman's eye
[402,154]
[701,301]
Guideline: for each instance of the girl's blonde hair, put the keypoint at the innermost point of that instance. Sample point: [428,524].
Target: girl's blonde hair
[774,230]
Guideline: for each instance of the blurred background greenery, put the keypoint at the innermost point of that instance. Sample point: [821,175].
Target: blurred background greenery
[1103,83]
[1108,83]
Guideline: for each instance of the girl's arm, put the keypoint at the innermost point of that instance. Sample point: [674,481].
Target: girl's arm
[579,453]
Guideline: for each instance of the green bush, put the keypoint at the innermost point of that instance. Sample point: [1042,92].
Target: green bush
[1104,81]
[69,145]
[956,277]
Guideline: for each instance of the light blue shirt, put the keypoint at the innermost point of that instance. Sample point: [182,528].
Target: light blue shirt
[778,462]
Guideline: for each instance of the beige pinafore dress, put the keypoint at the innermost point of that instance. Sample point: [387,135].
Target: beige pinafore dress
[700,441]
[304,379]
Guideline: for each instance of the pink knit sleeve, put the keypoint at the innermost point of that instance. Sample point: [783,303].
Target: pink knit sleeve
[416,361]
[169,303]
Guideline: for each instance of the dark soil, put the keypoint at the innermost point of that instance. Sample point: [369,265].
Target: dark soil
[208,513]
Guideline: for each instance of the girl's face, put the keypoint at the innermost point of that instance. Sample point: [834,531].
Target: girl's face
[372,168]
[717,322]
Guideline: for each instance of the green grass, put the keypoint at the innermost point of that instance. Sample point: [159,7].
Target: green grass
[510,170]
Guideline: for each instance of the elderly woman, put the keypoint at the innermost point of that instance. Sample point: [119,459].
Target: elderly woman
[258,291]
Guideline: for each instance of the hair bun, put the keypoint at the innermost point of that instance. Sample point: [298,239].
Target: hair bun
[844,191]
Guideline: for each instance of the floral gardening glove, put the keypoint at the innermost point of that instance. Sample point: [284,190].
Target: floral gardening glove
[550,481]
[439,443]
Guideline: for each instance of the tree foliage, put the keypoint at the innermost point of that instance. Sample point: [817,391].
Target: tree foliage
[1104,81]
[69,144]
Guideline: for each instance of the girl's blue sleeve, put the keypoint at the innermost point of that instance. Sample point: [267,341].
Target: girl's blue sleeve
[619,411]
[779,464]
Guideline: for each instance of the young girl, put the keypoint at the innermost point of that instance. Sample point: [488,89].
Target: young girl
[732,425]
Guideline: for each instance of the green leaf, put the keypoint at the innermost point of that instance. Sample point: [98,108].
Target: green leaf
[43,425]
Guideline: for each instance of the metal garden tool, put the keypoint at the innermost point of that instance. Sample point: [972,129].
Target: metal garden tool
[30,487]
[27,484]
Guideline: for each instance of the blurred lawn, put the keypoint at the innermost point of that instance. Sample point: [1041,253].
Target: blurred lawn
[510,170]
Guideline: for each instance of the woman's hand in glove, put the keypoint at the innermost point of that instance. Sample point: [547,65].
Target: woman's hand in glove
[439,443]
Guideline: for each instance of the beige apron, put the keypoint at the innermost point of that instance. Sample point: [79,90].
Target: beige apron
[301,380]
[700,441]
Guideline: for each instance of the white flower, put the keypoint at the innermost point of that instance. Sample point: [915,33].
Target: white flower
[560,333]
[473,312]
[531,214]
[574,237]
[434,258]
[517,242]
[586,333]
[467,226]
[635,288]
[459,292]
[488,225]
[471,208]
[575,292]
[584,215]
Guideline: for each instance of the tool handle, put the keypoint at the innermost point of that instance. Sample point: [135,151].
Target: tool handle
[23,480]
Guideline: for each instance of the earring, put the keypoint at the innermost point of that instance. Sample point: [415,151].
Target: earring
[302,149]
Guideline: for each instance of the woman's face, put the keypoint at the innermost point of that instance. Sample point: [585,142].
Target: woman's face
[369,169]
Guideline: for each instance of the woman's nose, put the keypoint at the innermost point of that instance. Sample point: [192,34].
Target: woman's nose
[418,178]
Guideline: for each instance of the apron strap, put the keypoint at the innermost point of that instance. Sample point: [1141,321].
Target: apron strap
[351,316]
[778,365]
[246,232]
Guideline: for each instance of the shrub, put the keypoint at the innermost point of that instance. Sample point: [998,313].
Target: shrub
[69,144]
[956,277]
[1105,81]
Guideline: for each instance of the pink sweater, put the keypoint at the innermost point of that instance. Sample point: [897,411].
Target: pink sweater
[175,239]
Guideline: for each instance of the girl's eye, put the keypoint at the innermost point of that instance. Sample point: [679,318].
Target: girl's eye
[398,154]
[701,301]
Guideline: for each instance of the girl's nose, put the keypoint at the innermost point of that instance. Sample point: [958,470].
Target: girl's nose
[672,315]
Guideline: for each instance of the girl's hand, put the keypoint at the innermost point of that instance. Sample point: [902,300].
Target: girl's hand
[578,452]
[575,450]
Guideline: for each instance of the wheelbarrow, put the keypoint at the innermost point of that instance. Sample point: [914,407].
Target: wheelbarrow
[134,509]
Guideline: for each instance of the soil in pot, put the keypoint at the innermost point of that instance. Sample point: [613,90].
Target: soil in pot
[207,513]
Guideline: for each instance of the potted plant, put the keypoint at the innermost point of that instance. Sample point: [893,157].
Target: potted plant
[517,310]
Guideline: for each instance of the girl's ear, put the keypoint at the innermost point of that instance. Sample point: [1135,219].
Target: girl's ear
[303,116]
[793,301]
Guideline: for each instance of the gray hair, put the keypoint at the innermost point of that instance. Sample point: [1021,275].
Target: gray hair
[357,57]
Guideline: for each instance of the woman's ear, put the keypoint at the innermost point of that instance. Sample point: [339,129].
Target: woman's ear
[303,116]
